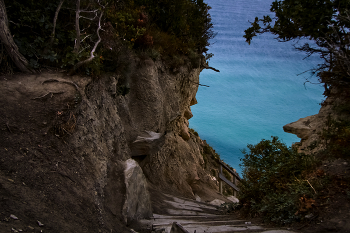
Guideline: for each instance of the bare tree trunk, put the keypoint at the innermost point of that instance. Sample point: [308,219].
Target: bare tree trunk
[92,56]
[55,21]
[77,28]
[10,46]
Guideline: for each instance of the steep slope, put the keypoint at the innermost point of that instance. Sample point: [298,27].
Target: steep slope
[66,144]
[322,135]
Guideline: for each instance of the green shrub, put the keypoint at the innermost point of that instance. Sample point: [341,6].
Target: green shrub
[207,149]
[194,132]
[227,190]
[226,174]
[274,180]
[213,172]
[169,29]
[215,156]
[155,55]
[337,137]
[229,207]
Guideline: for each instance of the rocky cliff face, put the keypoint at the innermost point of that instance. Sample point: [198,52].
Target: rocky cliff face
[69,143]
[311,128]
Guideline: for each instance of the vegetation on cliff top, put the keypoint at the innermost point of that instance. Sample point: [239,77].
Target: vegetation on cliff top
[94,35]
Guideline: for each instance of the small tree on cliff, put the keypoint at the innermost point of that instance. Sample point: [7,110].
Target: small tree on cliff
[93,13]
[7,40]
[326,23]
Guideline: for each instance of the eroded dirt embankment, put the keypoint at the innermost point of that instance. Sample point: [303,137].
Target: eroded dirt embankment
[65,140]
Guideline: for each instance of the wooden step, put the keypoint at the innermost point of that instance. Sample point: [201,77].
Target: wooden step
[207,227]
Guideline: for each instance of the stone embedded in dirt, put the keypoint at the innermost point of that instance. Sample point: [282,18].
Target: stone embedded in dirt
[13,217]
[233,199]
[198,198]
[40,224]
[309,216]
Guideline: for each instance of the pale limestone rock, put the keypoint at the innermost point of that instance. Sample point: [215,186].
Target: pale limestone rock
[143,145]
[137,201]
[233,199]
[301,128]
[184,133]
[188,114]
[216,202]
[152,136]
[193,101]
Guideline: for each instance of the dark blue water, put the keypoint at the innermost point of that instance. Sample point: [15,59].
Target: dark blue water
[258,89]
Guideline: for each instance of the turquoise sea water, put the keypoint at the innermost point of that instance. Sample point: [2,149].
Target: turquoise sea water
[258,89]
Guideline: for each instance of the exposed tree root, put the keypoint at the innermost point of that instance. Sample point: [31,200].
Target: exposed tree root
[62,81]
[49,93]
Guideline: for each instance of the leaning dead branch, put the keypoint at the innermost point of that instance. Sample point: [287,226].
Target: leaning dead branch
[92,56]
[77,28]
[55,22]
[6,39]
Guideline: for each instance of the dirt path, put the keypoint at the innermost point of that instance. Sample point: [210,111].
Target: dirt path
[43,185]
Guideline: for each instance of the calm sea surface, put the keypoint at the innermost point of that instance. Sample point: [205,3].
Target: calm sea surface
[258,89]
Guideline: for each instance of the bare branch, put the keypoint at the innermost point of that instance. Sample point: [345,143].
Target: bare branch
[85,38]
[92,56]
[84,11]
[7,40]
[77,28]
[88,18]
[88,46]
[55,21]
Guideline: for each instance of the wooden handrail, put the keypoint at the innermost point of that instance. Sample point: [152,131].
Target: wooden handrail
[229,170]
[223,178]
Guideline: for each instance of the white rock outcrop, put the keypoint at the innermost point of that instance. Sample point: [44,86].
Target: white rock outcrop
[137,201]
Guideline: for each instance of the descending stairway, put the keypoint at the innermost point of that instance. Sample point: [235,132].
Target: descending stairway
[199,217]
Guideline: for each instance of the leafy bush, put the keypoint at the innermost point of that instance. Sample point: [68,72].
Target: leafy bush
[194,132]
[226,174]
[187,20]
[31,26]
[213,172]
[337,137]
[207,149]
[274,179]
[129,24]
[229,207]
